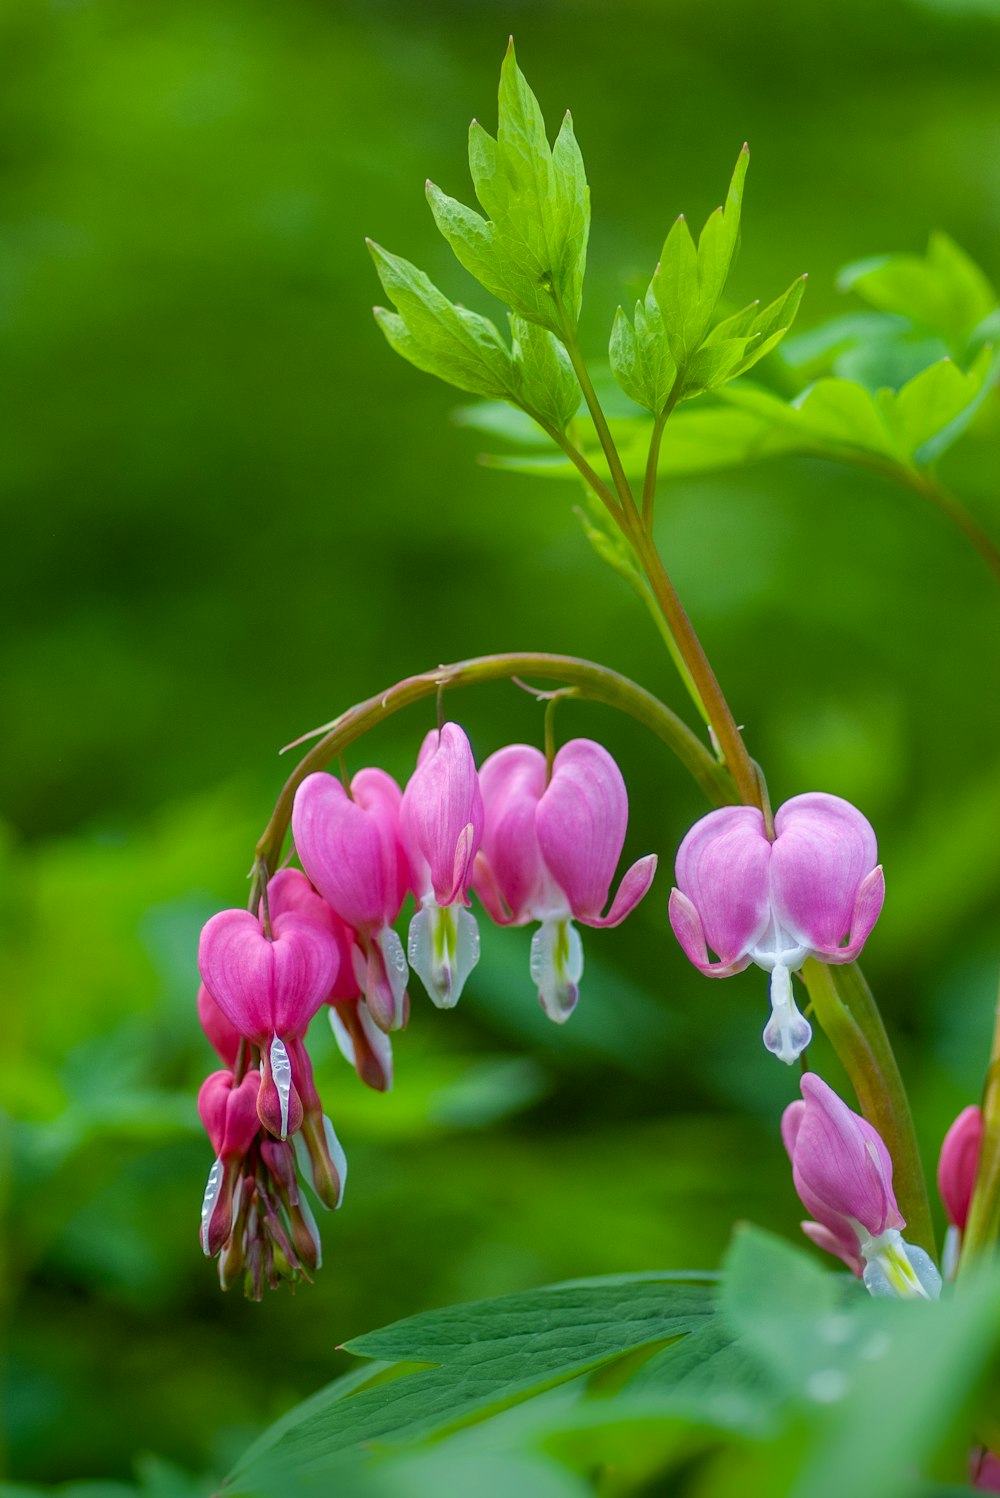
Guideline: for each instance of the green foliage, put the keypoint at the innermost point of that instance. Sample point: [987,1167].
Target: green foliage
[672,351]
[531,250]
[944,292]
[788,1369]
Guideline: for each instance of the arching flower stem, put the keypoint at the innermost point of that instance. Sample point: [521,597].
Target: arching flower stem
[843,1004]
[594,682]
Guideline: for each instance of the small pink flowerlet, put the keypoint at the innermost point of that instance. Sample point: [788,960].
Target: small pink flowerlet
[957,1167]
[229,1115]
[350,847]
[551,844]
[269,988]
[441,821]
[815,891]
[843,1175]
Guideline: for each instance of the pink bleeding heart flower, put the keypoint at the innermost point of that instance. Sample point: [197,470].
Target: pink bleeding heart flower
[269,988]
[359,1040]
[956,1175]
[984,1471]
[278,1157]
[843,1175]
[815,891]
[551,844]
[229,1114]
[350,848]
[441,823]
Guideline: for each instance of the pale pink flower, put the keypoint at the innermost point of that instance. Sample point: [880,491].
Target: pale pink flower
[815,891]
[350,848]
[551,844]
[441,823]
[843,1175]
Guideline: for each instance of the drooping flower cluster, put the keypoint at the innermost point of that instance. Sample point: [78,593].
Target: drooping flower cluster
[843,1175]
[536,844]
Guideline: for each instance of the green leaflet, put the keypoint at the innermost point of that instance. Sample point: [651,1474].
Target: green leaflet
[467,350]
[689,280]
[944,291]
[531,249]
[451,342]
[484,1357]
[672,351]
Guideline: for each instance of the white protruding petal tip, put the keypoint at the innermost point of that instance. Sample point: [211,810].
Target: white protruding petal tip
[281,1073]
[209,1201]
[557,967]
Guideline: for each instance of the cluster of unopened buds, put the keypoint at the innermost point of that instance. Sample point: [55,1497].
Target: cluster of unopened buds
[537,839]
[538,842]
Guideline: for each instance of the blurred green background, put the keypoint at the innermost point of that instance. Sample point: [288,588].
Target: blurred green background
[230,511]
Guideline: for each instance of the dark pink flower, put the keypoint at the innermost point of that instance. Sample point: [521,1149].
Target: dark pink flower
[229,1114]
[269,988]
[957,1167]
[350,848]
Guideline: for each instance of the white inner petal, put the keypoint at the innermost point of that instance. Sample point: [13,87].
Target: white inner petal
[787,1032]
[341,1034]
[443,948]
[281,1072]
[209,1200]
[557,967]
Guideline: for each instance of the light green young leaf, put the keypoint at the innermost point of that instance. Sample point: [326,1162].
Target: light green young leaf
[944,291]
[451,342]
[531,250]
[640,356]
[689,281]
[546,382]
[767,325]
[716,363]
[933,408]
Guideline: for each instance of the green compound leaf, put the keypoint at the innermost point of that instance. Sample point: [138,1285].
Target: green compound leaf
[451,342]
[531,249]
[462,1364]
[944,291]
[689,280]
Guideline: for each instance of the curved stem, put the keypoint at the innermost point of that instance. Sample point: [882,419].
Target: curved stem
[597,683]
[652,469]
[953,509]
[622,487]
[844,1006]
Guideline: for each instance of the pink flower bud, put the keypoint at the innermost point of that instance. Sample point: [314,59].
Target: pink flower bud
[815,891]
[441,817]
[290,890]
[442,825]
[985,1471]
[269,988]
[229,1115]
[843,1175]
[350,848]
[550,848]
[958,1164]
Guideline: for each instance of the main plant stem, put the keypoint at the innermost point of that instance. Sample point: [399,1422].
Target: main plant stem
[844,1006]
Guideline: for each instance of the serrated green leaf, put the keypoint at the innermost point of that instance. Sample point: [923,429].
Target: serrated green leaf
[689,281]
[547,385]
[716,363]
[451,342]
[640,356]
[944,291]
[531,249]
[486,1356]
